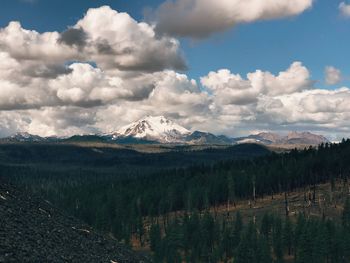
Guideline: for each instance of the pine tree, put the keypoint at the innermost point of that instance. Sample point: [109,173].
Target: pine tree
[140,229]
[305,248]
[266,226]
[155,237]
[264,252]
[156,242]
[277,240]
[208,233]
[173,243]
[248,247]
[193,237]
[346,215]
[231,192]
[226,243]
[298,233]
[288,235]
[237,230]
[321,246]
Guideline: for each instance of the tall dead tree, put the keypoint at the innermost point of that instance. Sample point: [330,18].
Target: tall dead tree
[286,203]
[254,190]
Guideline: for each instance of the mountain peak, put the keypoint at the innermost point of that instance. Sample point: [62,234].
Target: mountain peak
[270,136]
[23,134]
[157,128]
[305,137]
[25,137]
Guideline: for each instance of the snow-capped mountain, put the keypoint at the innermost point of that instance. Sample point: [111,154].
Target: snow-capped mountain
[25,137]
[156,128]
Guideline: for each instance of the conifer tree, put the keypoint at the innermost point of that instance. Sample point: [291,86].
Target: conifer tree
[231,192]
[265,226]
[288,235]
[346,215]
[247,249]
[237,230]
[264,252]
[305,248]
[226,243]
[321,246]
[299,228]
[156,242]
[277,240]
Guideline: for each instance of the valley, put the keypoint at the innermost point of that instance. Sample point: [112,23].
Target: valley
[147,200]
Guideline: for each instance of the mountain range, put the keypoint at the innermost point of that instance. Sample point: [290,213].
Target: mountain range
[160,130]
[291,138]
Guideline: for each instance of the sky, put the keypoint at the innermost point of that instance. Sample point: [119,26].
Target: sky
[227,66]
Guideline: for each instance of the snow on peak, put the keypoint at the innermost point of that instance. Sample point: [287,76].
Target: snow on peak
[153,127]
[25,136]
[22,134]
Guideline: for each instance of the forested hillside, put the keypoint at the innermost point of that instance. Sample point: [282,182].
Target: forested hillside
[170,209]
[204,238]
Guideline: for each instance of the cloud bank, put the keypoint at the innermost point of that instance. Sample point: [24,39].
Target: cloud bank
[108,70]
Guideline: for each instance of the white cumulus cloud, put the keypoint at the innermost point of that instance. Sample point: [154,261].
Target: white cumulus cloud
[116,40]
[233,89]
[105,56]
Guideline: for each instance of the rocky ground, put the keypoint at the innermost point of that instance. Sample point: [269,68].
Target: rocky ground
[32,230]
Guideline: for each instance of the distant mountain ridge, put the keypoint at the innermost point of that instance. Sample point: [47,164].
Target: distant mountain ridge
[291,138]
[25,137]
[160,130]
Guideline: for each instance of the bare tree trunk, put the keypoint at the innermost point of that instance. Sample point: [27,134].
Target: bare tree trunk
[286,204]
[314,194]
[228,207]
[254,191]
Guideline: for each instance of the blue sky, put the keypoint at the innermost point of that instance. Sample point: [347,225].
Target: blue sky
[319,37]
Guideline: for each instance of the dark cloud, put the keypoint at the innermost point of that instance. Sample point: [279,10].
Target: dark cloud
[141,93]
[74,37]
[48,71]
[152,61]
[84,104]
[72,116]
[18,104]
[103,47]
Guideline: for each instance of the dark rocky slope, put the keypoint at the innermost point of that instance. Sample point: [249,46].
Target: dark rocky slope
[32,230]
